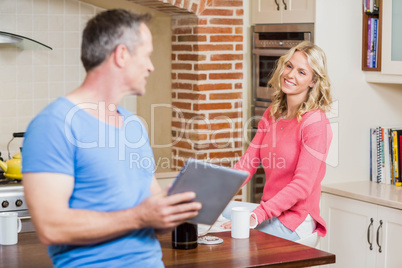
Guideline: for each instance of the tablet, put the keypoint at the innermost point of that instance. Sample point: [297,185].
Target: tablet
[214,186]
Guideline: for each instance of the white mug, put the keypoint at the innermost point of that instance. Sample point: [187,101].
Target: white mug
[241,222]
[10,226]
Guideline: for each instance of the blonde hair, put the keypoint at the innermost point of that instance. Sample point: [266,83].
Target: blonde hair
[318,97]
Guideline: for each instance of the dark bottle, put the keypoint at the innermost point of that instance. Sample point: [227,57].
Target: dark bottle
[185,236]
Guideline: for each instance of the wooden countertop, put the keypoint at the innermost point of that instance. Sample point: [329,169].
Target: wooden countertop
[260,248]
[367,191]
[29,252]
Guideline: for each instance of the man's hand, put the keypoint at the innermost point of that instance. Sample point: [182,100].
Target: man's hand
[160,211]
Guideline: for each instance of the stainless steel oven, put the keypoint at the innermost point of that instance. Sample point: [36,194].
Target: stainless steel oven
[269,43]
[12,200]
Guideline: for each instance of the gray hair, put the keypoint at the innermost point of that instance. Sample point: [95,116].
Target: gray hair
[108,29]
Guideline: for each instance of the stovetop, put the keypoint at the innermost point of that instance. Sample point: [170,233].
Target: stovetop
[8,182]
[12,199]
[11,195]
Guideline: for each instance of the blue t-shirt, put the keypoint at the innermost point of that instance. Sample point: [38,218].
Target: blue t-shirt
[112,169]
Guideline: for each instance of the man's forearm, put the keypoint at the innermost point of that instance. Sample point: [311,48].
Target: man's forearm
[81,227]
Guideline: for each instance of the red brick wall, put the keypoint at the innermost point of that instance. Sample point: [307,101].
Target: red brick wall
[207,83]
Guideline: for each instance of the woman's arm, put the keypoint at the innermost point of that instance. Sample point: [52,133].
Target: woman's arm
[250,160]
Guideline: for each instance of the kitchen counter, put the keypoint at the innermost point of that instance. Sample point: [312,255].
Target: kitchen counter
[367,191]
[166,174]
[29,252]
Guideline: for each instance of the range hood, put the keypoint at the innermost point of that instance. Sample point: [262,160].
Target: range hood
[21,41]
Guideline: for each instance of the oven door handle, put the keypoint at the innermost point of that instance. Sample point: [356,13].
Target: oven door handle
[270,52]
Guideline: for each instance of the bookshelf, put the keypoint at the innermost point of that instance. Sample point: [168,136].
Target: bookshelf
[365,36]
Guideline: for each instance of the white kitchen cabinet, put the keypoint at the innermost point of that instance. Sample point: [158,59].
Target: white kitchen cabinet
[361,234]
[392,237]
[392,37]
[282,11]
[391,52]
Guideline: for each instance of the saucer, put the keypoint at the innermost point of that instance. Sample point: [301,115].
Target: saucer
[209,240]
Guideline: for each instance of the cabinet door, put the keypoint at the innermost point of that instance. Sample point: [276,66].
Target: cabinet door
[348,223]
[298,11]
[390,237]
[282,11]
[266,11]
[391,37]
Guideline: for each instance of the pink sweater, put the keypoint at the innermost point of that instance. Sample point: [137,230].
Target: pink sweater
[293,159]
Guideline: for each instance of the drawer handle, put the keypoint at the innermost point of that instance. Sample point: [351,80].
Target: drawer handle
[277,5]
[286,7]
[368,233]
[378,237]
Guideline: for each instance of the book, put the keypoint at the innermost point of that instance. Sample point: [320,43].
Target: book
[386,155]
[379,162]
[376,6]
[391,156]
[373,154]
[374,42]
[368,64]
[396,154]
[400,155]
[371,42]
[367,6]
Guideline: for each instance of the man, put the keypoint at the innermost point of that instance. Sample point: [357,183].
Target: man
[89,201]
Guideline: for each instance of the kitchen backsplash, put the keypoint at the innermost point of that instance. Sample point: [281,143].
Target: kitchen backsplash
[32,78]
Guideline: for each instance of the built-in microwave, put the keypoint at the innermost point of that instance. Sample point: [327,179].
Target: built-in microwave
[269,43]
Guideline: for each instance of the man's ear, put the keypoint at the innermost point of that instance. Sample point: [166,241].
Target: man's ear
[120,55]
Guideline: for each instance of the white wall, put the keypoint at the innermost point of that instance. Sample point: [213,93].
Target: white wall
[152,106]
[338,31]
[32,78]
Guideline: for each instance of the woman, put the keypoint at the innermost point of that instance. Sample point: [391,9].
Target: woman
[292,144]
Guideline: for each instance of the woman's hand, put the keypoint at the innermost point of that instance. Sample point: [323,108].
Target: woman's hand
[253,221]
[228,225]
